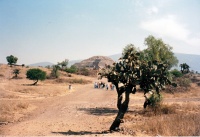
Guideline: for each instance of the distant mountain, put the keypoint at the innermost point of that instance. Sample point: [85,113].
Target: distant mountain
[192,60]
[42,64]
[115,57]
[72,62]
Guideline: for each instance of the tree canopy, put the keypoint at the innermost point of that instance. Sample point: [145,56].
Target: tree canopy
[159,51]
[184,68]
[11,60]
[63,63]
[36,74]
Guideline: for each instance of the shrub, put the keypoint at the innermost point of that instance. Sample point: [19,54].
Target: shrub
[84,71]
[72,69]
[184,82]
[155,99]
[176,73]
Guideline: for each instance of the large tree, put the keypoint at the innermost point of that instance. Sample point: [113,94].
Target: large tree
[36,74]
[158,50]
[11,60]
[129,72]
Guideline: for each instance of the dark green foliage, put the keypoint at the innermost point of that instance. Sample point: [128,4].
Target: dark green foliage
[36,74]
[16,72]
[185,68]
[176,73]
[72,69]
[11,60]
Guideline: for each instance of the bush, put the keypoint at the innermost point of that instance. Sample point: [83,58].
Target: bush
[184,82]
[72,69]
[155,99]
[176,73]
[83,71]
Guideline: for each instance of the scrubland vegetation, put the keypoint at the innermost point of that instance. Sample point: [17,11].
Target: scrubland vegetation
[175,112]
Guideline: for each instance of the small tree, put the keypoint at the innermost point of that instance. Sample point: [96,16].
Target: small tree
[11,60]
[16,72]
[35,74]
[63,64]
[55,71]
[184,68]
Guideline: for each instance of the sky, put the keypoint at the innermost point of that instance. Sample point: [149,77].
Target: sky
[54,30]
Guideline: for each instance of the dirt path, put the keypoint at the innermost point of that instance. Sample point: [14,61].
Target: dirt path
[85,111]
[81,112]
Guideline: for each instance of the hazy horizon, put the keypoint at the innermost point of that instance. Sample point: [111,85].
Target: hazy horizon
[51,30]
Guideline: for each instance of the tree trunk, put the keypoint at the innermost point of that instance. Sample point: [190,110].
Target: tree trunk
[119,95]
[122,110]
[35,82]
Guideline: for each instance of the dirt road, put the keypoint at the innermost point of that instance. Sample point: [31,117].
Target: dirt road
[83,111]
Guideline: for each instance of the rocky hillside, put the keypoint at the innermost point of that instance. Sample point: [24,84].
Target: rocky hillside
[95,62]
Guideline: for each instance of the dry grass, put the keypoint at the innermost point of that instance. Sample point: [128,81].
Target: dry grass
[173,120]
[73,81]
[173,125]
[9,109]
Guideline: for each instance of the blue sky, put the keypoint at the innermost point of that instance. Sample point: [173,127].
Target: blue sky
[54,30]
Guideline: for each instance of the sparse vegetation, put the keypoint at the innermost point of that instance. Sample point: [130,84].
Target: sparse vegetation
[7,109]
[73,81]
[83,71]
[179,121]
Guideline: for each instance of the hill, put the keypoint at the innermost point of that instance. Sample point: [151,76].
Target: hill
[191,59]
[42,64]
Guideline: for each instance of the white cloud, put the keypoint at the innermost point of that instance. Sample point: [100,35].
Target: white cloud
[152,10]
[170,27]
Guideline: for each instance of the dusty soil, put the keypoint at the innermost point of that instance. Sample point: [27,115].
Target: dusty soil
[82,110]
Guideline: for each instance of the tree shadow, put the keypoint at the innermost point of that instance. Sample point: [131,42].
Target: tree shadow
[82,132]
[99,111]
[30,85]
[102,111]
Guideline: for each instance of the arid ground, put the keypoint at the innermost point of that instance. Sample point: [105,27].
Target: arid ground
[51,109]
